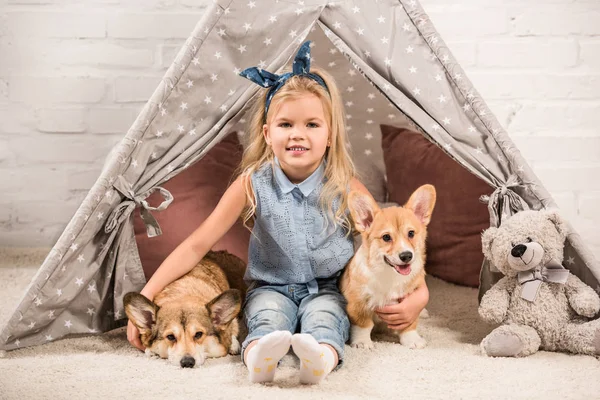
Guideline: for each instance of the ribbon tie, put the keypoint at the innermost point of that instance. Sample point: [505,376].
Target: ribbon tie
[266,79]
[124,209]
[532,280]
[504,202]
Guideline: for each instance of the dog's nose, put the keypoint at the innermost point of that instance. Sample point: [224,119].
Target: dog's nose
[187,362]
[406,256]
[518,250]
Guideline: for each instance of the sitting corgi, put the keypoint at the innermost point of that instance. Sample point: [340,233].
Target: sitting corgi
[194,317]
[390,262]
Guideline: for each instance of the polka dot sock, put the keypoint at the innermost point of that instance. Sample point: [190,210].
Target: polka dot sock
[263,357]
[316,360]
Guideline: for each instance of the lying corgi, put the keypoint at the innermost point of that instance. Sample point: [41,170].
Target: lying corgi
[194,317]
[389,264]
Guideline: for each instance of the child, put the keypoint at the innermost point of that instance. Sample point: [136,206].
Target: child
[293,186]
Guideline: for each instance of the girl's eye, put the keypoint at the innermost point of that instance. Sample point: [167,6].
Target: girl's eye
[171,337]
[198,335]
[386,238]
[313,125]
[285,125]
[411,234]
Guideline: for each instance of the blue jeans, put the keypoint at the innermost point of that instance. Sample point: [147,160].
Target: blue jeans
[292,308]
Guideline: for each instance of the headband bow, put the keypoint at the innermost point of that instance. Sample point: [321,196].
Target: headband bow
[275,82]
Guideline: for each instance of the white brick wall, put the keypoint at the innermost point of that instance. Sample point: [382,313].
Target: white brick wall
[73,76]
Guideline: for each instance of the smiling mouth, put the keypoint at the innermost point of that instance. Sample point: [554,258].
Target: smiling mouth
[402,269]
[296,148]
[531,259]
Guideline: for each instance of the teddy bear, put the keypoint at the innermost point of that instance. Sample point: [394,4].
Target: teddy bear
[539,303]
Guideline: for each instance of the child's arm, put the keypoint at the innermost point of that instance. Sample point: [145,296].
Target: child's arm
[406,311]
[191,250]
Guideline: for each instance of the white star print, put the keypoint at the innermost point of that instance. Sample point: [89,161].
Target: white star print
[479,150]
[68,323]
[445,58]
[31,325]
[223,108]
[417,91]
[51,314]
[446,121]
[221,32]
[571,260]
[368,152]
[267,41]
[195,61]
[472,128]
[438,77]
[369,136]
[349,103]
[369,121]
[442,98]
[521,168]
[91,311]
[391,116]
[134,163]
[207,100]
[360,31]
[79,281]
[371,96]
[38,302]
[231,92]
[381,19]
[117,314]
[413,70]
[159,133]
[386,86]
[272,18]
[293,33]
[409,50]
[163,112]
[350,89]
[74,246]
[384,40]
[48,338]
[91,287]
[367,54]
[466,107]
[298,11]
[242,48]
[180,128]
[247,26]
[448,146]
[81,258]
[252,4]
[356,10]
[214,77]
[170,168]
[192,132]
[18,342]
[387,62]
[406,27]
[99,216]
[59,292]
[370,110]
[218,55]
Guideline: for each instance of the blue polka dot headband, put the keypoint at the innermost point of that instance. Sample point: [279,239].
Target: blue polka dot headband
[275,82]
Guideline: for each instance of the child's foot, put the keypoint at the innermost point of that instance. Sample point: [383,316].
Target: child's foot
[316,360]
[263,357]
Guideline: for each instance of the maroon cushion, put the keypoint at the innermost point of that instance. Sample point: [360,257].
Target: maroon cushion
[454,233]
[196,192]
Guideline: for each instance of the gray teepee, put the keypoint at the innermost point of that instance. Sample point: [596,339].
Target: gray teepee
[80,286]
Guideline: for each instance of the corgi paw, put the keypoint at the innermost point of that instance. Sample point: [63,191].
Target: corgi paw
[412,340]
[363,344]
[235,346]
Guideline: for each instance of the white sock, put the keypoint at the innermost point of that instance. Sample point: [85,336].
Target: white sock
[316,360]
[263,357]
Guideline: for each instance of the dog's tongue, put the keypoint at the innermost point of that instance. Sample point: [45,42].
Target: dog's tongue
[402,269]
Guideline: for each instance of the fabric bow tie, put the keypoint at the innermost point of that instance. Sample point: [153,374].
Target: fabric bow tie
[275,82]
[532,280]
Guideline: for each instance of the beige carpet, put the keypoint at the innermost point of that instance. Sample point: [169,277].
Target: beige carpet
[451,367]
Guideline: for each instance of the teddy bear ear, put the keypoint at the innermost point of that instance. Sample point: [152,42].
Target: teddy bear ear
[487,237]
[561,225]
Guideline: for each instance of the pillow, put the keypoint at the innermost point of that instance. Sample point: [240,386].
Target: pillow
[454,233]
[196,192]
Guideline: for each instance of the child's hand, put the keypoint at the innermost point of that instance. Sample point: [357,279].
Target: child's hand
[133,335]
[401,315]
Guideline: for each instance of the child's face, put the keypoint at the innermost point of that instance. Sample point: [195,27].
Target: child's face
[299,136]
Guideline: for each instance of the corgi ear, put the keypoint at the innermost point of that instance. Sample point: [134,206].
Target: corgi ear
[363,210]
[225,307]
[141,311]
[421,202]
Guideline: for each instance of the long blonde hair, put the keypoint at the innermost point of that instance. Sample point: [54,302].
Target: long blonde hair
[339,169]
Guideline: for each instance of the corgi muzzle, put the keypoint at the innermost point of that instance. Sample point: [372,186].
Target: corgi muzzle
[403,265]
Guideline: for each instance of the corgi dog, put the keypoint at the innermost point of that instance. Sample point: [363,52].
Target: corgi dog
[389,264]
[194,317]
